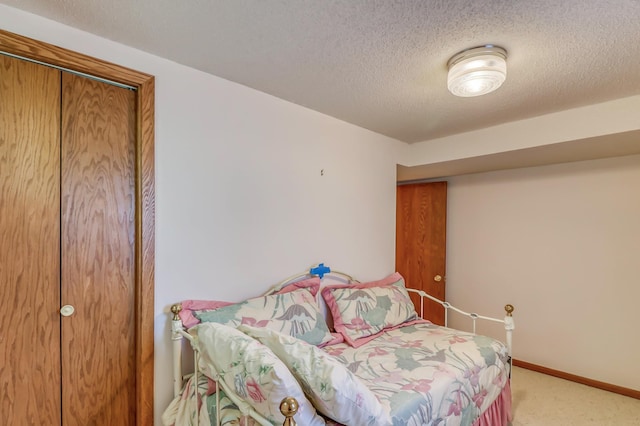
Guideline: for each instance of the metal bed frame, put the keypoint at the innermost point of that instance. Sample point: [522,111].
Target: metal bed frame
[289,406]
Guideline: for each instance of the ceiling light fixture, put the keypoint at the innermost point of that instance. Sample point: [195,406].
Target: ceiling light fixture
[477,71]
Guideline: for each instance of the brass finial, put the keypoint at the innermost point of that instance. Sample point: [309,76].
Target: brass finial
[509,309]
[289,408]
[175,310]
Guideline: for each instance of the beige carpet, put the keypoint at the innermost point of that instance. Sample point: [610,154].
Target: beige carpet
[542,400]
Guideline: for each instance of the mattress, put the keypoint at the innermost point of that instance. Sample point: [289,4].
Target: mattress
[425,374]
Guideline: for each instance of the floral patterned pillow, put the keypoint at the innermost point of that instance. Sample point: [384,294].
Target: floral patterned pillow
[251,373]
[295,313]
[332,388]
[191,307]
[364,310]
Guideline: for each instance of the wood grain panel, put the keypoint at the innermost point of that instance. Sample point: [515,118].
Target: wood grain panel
[421,223]
[29,243]
[41,51]
[98,253]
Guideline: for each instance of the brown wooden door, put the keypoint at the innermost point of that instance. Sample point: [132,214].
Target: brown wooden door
[67,232]
[421,223]
[31,365]
[29,243]
[98,260]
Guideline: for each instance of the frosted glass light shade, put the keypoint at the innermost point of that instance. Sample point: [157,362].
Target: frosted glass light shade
[477,71]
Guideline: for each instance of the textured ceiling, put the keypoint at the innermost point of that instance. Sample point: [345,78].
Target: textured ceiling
[381,64]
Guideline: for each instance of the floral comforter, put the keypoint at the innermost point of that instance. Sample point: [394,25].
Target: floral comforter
[429,375]
[182,410]
[422,374]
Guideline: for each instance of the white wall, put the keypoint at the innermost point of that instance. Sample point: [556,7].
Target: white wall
[606,118]
[561,243]
[241,202]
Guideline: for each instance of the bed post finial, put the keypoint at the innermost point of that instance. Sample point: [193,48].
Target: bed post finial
[175,310]
[289,408]
[509,309]
[509,326]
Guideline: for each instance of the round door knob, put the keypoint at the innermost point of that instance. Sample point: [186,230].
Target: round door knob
[437,278]
[67,310]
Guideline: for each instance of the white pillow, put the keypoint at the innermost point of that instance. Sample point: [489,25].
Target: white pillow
[332,388]
[248,370]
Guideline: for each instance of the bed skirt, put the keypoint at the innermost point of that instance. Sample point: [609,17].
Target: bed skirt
[498,413]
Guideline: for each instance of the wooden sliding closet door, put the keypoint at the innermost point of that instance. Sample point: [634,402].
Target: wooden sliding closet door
[76,239]
[29,243]
[98,255]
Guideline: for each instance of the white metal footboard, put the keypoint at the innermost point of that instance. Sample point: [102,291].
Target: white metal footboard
[509,325]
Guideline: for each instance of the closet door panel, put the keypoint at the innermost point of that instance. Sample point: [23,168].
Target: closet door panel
[98,260]
[29,243]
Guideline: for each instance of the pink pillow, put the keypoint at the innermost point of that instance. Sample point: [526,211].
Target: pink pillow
[189,306]
[362,311]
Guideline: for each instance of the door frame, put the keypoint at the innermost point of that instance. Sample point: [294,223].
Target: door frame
[144,245]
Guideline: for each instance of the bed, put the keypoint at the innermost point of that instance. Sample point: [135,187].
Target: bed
[341,352]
